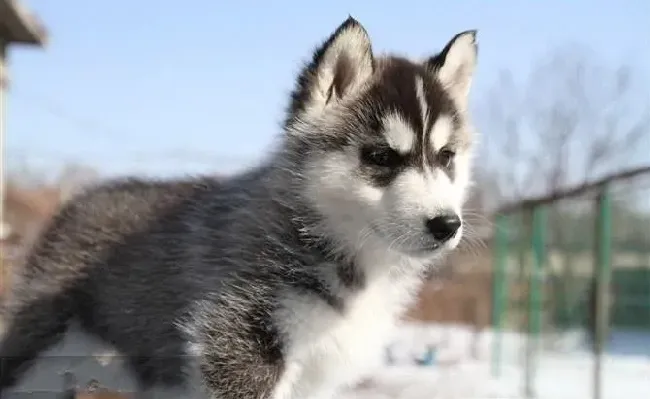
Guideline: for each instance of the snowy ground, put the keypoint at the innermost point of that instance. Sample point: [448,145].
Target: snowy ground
[460,368]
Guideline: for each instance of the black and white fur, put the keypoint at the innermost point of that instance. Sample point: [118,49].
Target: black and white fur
[285,281]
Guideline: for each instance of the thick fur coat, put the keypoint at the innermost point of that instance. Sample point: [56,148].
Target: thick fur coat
[284,281]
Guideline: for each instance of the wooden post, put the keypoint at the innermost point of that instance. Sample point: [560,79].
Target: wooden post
[4,82]
[535,298]
[19,26]
[603,277]
[499,291]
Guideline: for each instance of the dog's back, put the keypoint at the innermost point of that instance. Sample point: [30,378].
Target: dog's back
[107,252]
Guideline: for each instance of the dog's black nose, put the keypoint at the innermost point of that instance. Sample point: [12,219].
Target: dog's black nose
[443,227]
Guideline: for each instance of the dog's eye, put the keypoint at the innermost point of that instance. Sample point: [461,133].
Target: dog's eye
[385,157]
[446,157]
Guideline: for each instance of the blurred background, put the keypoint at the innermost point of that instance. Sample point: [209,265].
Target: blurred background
[549,297]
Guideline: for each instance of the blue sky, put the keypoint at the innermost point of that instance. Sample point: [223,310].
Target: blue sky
[158,87]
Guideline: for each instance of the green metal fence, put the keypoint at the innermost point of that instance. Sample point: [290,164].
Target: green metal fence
[578,261]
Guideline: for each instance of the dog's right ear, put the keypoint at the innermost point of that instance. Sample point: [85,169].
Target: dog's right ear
[338,68]
[454,66]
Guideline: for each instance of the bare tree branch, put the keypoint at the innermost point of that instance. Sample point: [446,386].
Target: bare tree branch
[574,120]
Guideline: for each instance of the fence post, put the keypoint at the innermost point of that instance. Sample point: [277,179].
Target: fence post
[535,297]
[500,290]
[603,278]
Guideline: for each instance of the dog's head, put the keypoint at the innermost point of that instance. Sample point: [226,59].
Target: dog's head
[384,144]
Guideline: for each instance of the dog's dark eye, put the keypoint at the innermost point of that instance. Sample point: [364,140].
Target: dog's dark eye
[446,157]
[385,157]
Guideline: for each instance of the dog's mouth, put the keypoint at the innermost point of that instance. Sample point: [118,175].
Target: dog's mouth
[425,250]
[431,248]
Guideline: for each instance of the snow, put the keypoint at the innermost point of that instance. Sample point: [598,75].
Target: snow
[462,366]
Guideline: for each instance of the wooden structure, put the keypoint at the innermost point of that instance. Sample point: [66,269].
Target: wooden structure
[17,27]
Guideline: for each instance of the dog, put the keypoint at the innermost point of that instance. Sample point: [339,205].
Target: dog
[283,281]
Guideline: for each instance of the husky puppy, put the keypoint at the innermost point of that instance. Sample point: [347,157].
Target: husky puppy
[287,280]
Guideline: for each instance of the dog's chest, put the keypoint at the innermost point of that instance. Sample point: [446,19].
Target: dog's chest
[358,336]
[335,348]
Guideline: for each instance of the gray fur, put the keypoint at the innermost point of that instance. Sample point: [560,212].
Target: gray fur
[227,265]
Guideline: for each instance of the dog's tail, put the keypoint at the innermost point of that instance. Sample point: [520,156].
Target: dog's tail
[32,327]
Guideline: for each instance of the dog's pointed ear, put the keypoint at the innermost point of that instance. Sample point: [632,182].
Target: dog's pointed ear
[338,68]
[454,66]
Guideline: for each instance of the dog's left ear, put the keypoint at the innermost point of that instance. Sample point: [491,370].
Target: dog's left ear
[454,65]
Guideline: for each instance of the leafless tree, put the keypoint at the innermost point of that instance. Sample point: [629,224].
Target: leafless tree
[573,119]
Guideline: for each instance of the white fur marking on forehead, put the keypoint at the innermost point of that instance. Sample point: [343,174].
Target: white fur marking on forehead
[419,91]
[440,132]
[424,107]
[399,134]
